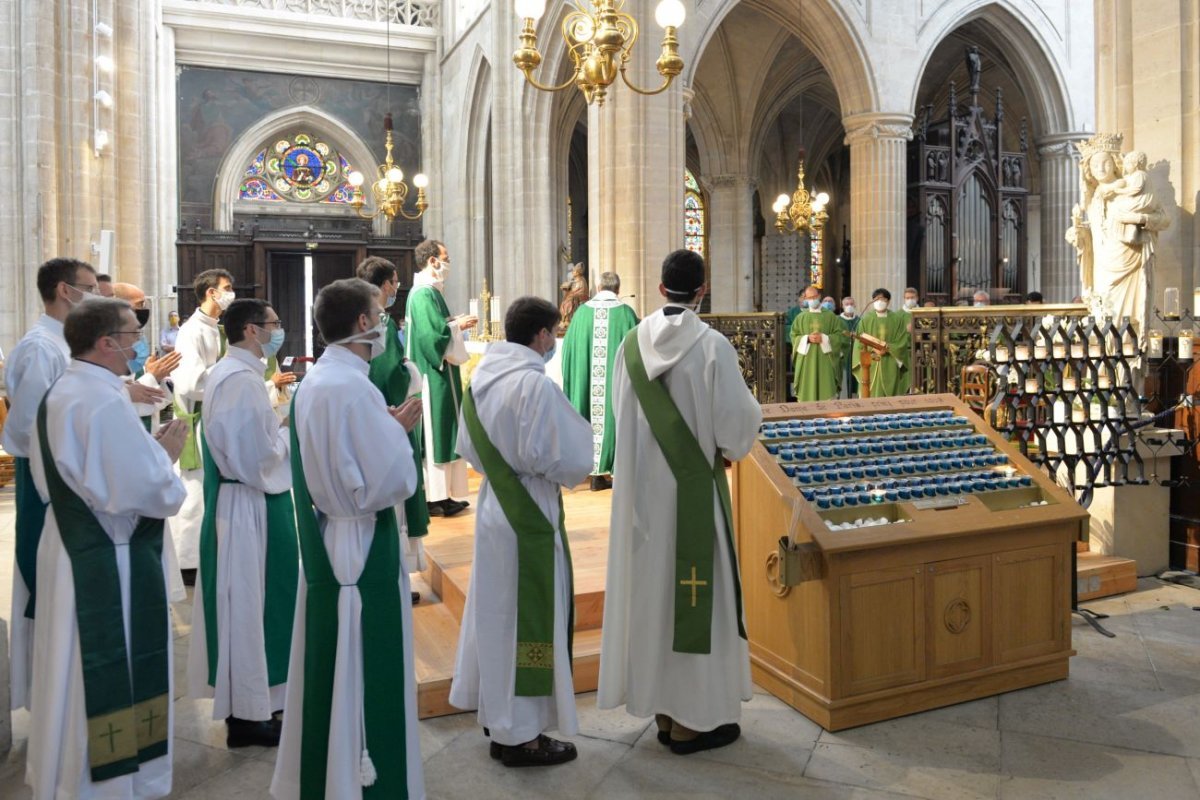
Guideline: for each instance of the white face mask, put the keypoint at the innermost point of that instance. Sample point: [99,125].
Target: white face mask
[980,304]
[225,298]
[84,297]
[848,311]
[376,337]
[812,303]
[910,302]
[880,305]
[440,270]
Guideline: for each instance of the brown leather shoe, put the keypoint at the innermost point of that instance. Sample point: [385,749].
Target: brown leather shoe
[548,753]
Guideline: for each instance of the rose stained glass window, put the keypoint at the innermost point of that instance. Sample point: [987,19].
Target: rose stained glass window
[300,168]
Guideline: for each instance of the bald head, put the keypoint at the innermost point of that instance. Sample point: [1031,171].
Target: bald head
[130,294]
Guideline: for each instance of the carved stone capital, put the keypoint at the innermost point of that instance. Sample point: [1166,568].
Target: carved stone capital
[731,181]
[1060,145]
[874,126]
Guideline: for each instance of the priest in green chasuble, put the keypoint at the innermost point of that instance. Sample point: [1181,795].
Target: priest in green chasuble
[514,648]
[818,340]
[102,656]
[399,380]
[350,718]
[674,642]
[435,345]
[889,375]
[595,332]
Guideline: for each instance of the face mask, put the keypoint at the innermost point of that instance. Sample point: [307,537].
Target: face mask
[142,315]
[812,304]
[848,311]
[224,299]
[880,305]
[127,351]
[376,337]
[549,354]
[271,346]
[979,304]
[440,270]
[391,301]
[84,297]
[827,306]
[910,302]
[141,351]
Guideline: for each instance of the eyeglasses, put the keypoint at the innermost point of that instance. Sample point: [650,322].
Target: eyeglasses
[137,332]
[267,323]
[86,288]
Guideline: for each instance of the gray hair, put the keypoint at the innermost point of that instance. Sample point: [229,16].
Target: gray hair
[610,282]
[91,321]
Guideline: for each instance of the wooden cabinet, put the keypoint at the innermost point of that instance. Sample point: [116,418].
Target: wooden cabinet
[949,604]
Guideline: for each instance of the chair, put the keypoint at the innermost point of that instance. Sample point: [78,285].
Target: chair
[976,387]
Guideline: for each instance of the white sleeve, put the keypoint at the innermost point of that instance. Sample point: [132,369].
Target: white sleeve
[190,375]
[456,351]
[29,376]
[244,430]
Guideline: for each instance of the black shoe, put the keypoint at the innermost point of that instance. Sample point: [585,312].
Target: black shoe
[437,509]
[189,577]
[664,737]
[709,740]
[601,482]
[452,507]
[549,752]
[416,598]
[244,732]
[496,751]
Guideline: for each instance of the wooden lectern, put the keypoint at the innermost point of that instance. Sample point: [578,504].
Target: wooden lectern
[873,350]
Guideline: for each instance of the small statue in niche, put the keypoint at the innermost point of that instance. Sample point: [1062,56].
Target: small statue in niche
[575,294]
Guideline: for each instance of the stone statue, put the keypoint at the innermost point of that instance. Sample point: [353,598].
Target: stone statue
[575,294]
[1114,228]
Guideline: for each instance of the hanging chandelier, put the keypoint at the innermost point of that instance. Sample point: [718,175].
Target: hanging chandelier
[802,211]
[600,43]
[389,190]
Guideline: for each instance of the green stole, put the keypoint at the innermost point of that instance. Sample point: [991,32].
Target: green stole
[31,516]
[535,563]
[283,558]
[696,479]
[127,713]
[189,457]
[382,645]
[391,377]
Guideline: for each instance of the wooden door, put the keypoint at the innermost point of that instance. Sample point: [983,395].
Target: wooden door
[882,629]
[958,624]
[285,292]
[1030,602]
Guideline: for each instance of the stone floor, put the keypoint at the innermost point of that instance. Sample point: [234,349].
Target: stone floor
[1125,725]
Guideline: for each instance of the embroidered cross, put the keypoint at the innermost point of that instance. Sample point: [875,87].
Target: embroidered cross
[149,720]
[112,735]
[694,584]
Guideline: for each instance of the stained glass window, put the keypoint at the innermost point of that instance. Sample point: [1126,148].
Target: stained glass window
[816,260]
[299,168]
[694,237]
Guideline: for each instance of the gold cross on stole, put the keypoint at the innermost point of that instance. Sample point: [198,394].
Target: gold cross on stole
[693,583]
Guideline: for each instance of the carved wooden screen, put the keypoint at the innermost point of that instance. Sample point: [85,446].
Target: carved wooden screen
[967,202]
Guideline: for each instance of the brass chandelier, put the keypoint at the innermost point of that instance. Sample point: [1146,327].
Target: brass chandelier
[600,43]
[389,189]
[802,211]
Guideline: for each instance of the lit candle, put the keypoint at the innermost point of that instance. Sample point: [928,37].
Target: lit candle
[1171,302]
[1126,348]
[473,308]
[1185,345]
[1039,350]
[1196,303]
[1069,383]
[1076,349]
[1001,354]
[1060,350]
[1078,414]
[1154,343]
[495,310]
[1022,352]
[1103,381]
[1094,349]
[1031,385]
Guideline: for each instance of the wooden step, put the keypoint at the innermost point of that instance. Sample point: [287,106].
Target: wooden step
[1104,576]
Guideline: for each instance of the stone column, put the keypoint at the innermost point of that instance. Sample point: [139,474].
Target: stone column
[878,179]
[1059,192]
[731,241]
[636,159]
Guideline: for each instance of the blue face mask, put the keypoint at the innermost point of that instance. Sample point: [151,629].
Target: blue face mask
[549,354]
[272,347]
[141,351]
[391,301]
[827,306]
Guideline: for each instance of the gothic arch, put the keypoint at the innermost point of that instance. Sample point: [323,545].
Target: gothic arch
[477,181]
[286,122]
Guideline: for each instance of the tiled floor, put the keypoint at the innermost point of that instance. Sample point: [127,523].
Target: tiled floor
[1125,725]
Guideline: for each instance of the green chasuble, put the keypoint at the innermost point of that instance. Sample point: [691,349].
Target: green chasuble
[889,376]
[126,682]
[589,348]
[535,563]
[283,568]
[389,373]
[817,374]
[696,480]
[382,647]
[789,317]
[426,324]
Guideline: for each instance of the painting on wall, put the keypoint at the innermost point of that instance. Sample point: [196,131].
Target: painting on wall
[215,106]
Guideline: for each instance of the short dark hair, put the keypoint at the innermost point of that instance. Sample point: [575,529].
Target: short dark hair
[376,270]
[104,277]
[89,322]
[430,248]
[209,279]
[1034,297]
[339,305]
[881,292]
[526,317]
[242,312]
[682,275]
[56,271]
